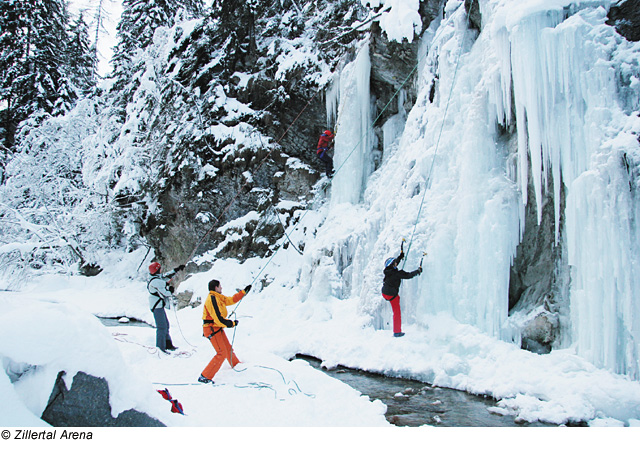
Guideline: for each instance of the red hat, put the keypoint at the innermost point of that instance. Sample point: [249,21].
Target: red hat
[154,268]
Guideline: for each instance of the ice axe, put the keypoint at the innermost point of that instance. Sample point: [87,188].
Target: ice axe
[402,250]
[423,255]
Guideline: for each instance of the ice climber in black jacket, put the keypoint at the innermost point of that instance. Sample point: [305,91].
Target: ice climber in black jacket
[391,286]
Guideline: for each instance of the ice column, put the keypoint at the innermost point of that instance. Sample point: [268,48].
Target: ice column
[352,158]
[564,84]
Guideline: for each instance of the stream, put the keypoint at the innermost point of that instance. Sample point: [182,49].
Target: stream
[413,403]
[409,403]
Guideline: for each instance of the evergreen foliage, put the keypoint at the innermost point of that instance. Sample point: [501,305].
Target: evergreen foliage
[173,104]
[81,57]
[44,63]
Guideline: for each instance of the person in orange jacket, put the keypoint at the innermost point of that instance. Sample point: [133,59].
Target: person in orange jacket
[214,318]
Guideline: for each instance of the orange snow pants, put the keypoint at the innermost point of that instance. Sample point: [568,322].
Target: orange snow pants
[223,348]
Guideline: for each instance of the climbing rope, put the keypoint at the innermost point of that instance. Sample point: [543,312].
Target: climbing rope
[285,231]
[175,313]
[151,350]
[444,117]
[292,386]
[396,93]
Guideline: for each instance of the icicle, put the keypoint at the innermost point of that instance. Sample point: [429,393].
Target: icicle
[565,84]
[332,99]
[353,159]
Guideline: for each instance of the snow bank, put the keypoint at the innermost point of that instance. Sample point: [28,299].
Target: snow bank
[38,339]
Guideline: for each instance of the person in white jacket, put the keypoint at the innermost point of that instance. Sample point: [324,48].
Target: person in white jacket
[160,298]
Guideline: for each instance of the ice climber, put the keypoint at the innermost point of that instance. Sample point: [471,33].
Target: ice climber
[391,286]
[160,298]
[214,318]
[325,143]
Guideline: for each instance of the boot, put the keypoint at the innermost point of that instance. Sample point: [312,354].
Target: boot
[398,334]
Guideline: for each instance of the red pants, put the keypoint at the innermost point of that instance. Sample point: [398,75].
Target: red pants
[223,351]
[397,315]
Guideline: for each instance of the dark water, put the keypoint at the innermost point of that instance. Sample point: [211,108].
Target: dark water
[413,403]
[115,322]
[409,403]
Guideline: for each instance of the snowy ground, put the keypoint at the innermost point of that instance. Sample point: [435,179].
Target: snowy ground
[268,390]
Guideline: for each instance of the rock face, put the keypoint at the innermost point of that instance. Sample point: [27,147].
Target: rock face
[292,116]
[87,405]
[539,275]
[625,16]
[189,204]
[394,72]
[473,9]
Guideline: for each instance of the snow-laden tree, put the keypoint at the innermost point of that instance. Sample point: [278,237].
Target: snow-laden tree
[43,84]
[138,23]
[33,62]
[187,103]
[81,57]
[49,216]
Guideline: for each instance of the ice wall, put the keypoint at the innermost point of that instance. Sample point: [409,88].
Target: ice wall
[551,71]
[571,127]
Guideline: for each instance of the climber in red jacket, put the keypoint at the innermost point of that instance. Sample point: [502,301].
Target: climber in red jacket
[325,143]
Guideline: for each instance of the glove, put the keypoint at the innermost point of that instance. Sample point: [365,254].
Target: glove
[171,289]
[235,323]
[247,289]
[179,268]
[419,270]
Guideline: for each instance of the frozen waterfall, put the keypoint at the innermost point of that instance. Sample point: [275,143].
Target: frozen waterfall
[531,99]
[571,127]
[352,157]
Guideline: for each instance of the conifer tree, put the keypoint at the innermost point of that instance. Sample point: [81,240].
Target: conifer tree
[45,86]
[13,42]
[33,76]
[138,22]
[81,57]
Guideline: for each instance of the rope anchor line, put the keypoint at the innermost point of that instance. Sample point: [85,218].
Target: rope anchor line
[342,165]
